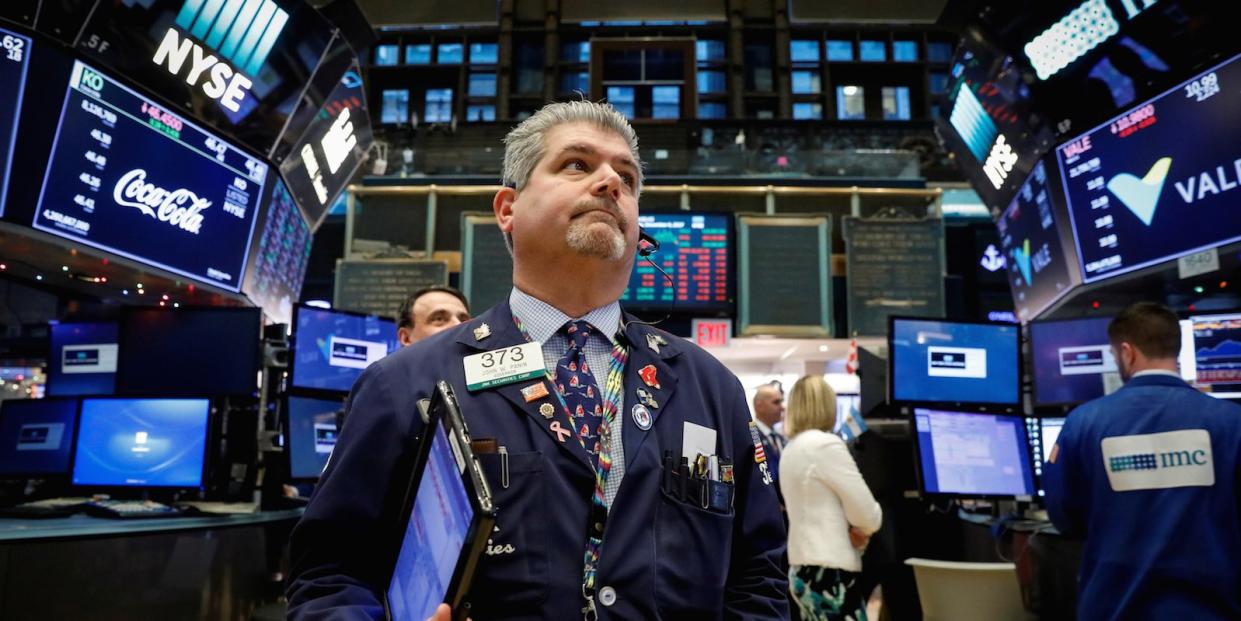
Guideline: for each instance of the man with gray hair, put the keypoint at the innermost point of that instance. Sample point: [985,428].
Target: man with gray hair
[629,479]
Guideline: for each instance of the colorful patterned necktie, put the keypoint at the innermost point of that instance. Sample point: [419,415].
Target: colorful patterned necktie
[577,387]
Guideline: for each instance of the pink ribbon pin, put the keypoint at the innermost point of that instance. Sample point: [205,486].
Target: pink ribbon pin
[561,432]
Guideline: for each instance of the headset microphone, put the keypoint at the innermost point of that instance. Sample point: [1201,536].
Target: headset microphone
[647,246]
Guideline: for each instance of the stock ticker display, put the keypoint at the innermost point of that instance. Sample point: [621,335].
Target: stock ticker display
[14,61]
[128,176]
[1156,182]
[694,250]
[1038,272]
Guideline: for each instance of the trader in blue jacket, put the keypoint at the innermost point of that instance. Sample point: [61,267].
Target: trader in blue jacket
[1149,475]
[588,524]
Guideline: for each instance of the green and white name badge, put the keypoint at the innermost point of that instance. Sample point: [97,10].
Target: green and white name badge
[504,366]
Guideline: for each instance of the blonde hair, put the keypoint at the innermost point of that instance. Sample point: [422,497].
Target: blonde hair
[811,405]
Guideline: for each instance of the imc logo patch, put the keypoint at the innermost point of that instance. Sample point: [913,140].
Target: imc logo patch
[1159,460]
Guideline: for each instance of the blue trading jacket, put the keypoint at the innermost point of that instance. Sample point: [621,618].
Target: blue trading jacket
[1149,476]
[665,558]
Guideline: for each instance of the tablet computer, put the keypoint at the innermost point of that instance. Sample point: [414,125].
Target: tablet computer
[446,519]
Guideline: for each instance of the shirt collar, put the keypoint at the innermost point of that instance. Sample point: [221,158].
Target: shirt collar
[542,320]
[1156,372]
[762,428]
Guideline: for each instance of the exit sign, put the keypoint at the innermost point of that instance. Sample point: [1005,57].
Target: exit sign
[712,332]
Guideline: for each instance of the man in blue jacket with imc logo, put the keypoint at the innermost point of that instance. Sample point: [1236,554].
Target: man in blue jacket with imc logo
[1149,476]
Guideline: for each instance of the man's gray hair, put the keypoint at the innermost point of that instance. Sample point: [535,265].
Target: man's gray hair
[524,146]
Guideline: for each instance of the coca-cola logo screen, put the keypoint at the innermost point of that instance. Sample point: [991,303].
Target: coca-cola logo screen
[128,176]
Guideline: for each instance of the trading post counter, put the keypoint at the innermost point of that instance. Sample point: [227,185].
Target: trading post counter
[189,567]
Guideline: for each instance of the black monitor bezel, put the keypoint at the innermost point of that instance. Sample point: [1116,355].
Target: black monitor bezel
[139,490]
[67,474]
[313,391]
[921,476]
[980,407]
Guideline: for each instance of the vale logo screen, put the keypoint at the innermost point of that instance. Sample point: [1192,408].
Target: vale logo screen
[1037,271]
[1159,181]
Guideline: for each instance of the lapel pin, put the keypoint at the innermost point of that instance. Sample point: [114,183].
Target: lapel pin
[561,432]
[647,400]
[481,332]
[534,392]
[654,341]
[641,416]
[648,375]
[547,410]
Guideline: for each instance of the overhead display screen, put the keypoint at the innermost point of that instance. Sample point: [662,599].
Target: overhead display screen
[1038,272]
[278,256]
[130,177]
[331,149]
[14,61]
[1158,181]
[695,252]
[954,362]
[240,65]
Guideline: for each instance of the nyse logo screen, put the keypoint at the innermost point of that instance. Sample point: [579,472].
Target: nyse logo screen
[14,60]
[1159,181]
[128,176]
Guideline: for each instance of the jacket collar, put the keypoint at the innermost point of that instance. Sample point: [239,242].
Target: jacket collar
[1157,380]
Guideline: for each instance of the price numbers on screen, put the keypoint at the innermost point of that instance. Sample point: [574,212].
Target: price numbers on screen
[14,48]
[105,115]
[96,159]
[1138,119]
[90,180]
[87,204]
[1203,88]
[104,138]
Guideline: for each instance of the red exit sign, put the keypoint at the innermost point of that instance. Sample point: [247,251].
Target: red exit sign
[712,332]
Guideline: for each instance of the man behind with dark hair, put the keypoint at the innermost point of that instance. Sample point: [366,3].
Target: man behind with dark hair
[430,310]
[1149,476]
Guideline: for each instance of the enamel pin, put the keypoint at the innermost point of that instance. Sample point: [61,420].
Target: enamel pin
[481,332]
[641,416]
[654,341]
[647,400]
[760,456]
[561,432]
[534,392]
[547,410]
[647,373]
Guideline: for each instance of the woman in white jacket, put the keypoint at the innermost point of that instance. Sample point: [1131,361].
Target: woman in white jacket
[830,508]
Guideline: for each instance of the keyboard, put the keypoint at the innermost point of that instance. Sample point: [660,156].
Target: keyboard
[46,508]
[131,509]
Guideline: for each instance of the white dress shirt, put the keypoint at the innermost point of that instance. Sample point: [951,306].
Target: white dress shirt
[824,494]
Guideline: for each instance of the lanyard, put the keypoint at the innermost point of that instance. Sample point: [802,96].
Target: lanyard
[612,390]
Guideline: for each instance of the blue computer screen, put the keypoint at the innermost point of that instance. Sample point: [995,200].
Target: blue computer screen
[36,435]
[332,349]
[947,362]
[141,442]
[973,454]
[1217,349]
[312,435]
[434,537]
[1038,271]
[83,359]
[694,250]
[1072,361]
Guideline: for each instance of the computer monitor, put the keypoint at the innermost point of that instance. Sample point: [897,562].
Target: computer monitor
[1217,353]
[141,442]
[1043,433]
[973,455]
[1072,361]
[310,434]
[83,359]
[189,351]
[331,348]
[36,437]
[696,252]
[939,361]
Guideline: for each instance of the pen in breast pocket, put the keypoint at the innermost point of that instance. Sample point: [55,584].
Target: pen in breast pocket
[504,467]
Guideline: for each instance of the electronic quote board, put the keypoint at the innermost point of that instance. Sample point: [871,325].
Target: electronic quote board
[1158,181]
[279,255]
[128,176]
[1037,269]
[14,62]
[695,250]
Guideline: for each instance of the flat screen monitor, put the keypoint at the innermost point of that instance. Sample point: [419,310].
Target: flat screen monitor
[331,348]
[1072,361]
[189,351]
[82,360]
[128,176]
[14,63]
[938,361]
[973,455]
[310,434]
[1217,353]
[695,250]
[1157,182]
[1034,260]
[36,436]
[141,442]
[1043,434]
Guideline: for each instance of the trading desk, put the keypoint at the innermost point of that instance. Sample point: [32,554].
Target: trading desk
[83,567]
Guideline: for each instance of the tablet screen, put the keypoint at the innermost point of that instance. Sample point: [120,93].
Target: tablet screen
[434,536]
